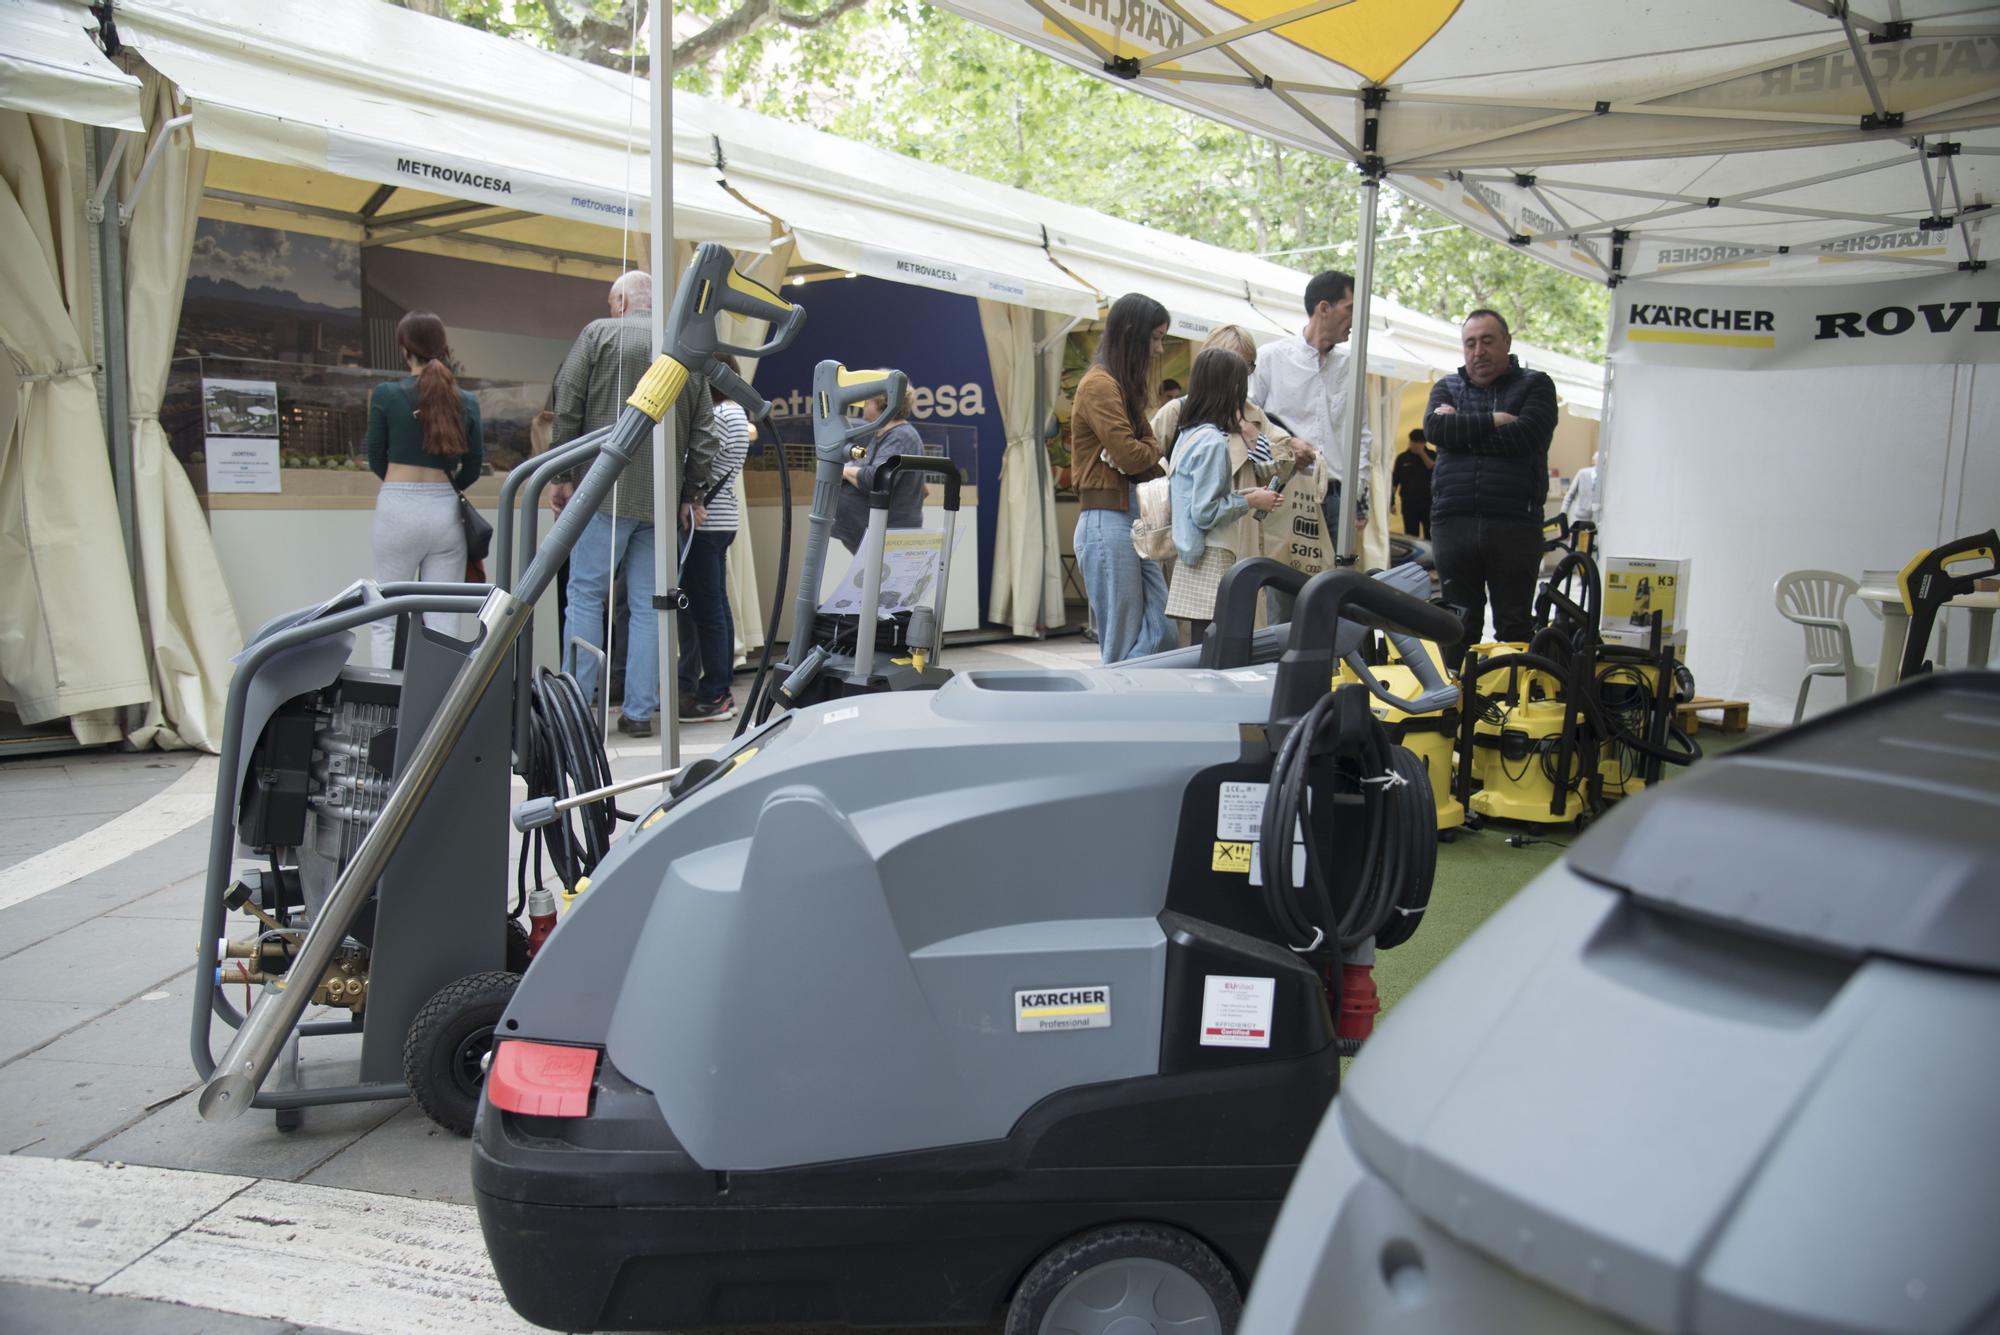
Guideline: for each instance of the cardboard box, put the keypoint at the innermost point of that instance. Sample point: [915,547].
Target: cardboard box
[1635,587]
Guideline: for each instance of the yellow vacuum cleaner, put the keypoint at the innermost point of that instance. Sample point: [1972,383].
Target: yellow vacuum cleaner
[1427,733]
[1551,730]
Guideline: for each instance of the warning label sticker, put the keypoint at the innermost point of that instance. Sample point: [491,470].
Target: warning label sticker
[1052,1010]
[1231,857]
[1236,1012]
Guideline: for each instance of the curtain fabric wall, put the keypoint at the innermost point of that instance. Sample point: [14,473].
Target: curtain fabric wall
[190,624]
[69,630]
[1381,398]
[1027,568]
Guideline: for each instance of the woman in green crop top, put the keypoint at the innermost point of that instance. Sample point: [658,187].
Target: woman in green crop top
[424,443]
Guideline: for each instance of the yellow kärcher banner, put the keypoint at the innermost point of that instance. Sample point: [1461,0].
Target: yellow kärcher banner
[1933,319]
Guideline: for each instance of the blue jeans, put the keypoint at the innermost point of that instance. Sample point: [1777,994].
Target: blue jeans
[1128,593]
[590,567]
[708,633]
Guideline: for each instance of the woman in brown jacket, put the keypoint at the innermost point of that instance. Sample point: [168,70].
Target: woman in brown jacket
[1113,450]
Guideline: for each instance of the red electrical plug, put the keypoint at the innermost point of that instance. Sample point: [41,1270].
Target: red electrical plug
[541,918]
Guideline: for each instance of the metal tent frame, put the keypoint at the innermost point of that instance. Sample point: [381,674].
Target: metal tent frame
[1505,180]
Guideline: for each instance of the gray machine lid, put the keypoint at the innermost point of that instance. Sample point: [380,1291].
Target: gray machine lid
[1874,830]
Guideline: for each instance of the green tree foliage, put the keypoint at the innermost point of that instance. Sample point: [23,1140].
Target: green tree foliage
[908,77]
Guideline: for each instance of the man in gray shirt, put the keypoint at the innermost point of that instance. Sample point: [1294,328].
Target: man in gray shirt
[600,373]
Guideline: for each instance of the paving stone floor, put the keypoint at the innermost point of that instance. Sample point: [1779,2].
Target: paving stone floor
[97,984]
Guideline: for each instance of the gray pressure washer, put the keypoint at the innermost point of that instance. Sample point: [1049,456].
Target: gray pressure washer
[376,798]
[830,657]
[1722,1070]
[917,1006]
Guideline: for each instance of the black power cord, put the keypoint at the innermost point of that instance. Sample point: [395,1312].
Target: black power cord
[758,700]
[564,757]
[1609,729]
[1399,852]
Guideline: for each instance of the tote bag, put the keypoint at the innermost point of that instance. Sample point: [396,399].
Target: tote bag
[1153,530]
[1295,533]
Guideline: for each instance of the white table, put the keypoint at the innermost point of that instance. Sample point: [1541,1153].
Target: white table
[1888,600]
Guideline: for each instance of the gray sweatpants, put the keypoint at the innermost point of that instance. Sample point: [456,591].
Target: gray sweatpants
[417,536]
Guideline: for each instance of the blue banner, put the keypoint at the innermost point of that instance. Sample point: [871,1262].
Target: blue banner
[932,337]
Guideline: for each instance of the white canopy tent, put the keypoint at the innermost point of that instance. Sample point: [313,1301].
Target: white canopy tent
[50,67]
[435,112]
[1613,140]
[417,146]
[1776,142]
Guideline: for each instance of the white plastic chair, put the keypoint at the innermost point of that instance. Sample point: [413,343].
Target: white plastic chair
[1817,600]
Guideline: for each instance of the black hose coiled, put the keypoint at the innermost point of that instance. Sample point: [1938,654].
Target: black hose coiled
[1399,850]
[564,756]
[1608,727]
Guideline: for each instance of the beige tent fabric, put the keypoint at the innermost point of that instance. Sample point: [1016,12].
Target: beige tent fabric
[746,607]
[1027,563]
[69,630]
[190,622]
[1381,400]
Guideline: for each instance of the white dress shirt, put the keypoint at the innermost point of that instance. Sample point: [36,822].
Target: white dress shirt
[1580,502]
[1306,390]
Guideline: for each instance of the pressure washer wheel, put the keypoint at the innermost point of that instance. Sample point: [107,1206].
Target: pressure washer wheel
[1128,1278]
[444,1055]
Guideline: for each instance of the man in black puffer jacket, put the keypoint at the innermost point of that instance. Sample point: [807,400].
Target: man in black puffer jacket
[1491,425]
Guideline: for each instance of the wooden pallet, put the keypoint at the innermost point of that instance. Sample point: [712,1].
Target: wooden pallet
[1735,714]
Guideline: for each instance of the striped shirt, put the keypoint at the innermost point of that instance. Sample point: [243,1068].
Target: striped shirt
[732,436]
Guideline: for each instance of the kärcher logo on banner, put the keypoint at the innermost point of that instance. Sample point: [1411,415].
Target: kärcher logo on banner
[1938,317]
[1748,320]
[1146,21]
[1948,318]
[1704,254]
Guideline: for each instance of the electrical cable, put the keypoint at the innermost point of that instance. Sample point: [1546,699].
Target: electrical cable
[757,701]
[1398,850]
[1593,709]
[564,756]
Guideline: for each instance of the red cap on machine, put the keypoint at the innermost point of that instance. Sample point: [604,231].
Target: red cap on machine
[541,1079]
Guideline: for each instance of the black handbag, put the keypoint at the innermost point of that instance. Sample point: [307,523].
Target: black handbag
[478,533]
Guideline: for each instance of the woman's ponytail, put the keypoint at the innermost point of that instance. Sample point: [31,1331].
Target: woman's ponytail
[439,413]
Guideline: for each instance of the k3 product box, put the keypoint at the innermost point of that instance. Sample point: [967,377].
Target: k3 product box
[1635,587]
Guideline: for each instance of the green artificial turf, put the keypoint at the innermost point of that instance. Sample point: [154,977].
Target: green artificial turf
[1476,874]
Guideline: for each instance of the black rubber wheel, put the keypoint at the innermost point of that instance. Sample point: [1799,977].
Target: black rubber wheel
[517,946]
[1127,1278]
[290,1119]
[445,1051]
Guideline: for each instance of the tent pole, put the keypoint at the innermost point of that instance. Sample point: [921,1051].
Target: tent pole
[114,390]
[1357,371]
[666,467]
[1041,467]
[112,387]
